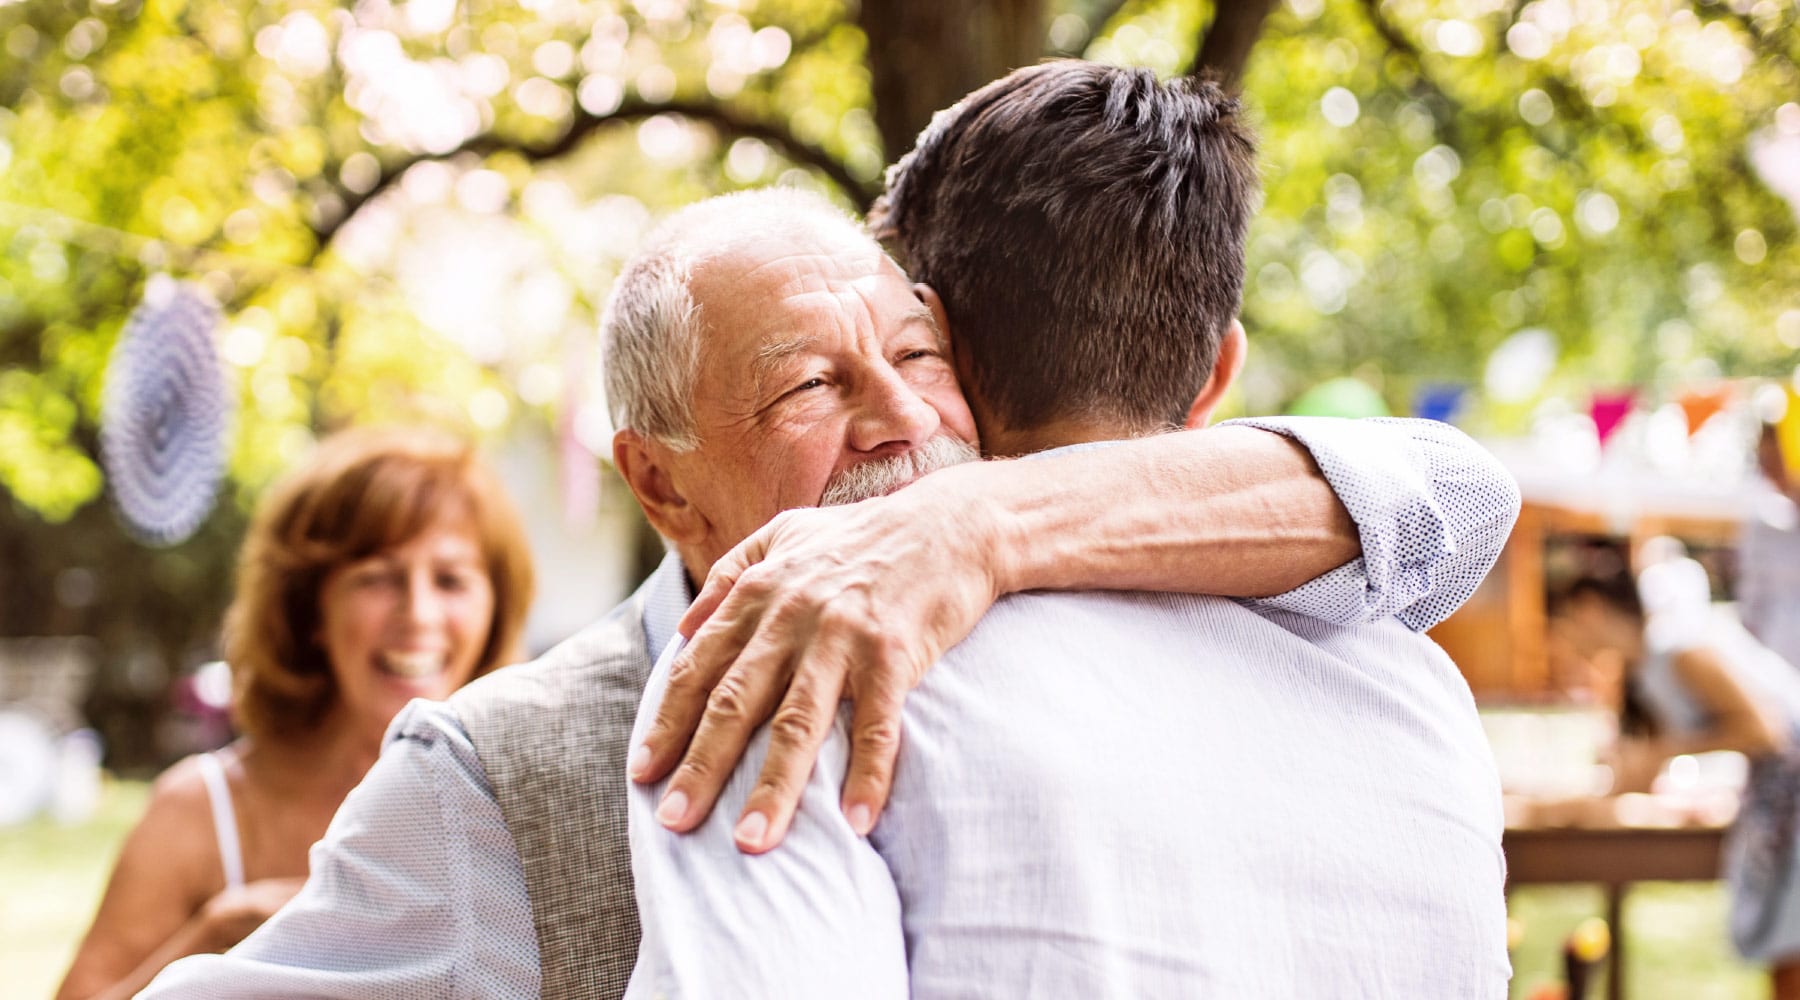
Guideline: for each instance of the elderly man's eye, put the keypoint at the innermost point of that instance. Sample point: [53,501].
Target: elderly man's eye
[811,383]
[914,355]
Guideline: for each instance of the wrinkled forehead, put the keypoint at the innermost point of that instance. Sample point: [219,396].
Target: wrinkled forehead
[808,279]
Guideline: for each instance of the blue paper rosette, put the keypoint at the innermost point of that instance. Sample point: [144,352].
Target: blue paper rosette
[165,414]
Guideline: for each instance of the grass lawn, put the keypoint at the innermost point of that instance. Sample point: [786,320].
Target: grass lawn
[1675,947]
[53,875]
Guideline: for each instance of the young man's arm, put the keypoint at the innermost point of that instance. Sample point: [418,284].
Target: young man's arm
[820,918]
[862,599]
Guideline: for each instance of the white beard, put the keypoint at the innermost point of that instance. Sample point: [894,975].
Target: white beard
[881,476]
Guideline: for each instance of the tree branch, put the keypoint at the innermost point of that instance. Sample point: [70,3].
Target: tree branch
[727,121]
[1444,108]
[1766,42]
[1225,47]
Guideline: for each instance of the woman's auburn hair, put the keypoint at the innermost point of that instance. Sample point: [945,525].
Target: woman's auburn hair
[362,491]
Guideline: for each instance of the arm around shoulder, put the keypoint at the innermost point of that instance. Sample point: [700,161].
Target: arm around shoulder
[1433,510]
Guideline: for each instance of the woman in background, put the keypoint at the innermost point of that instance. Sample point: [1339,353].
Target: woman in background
[1707,684]
[390,567]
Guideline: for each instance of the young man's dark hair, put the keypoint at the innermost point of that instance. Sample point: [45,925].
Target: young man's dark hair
[1084,226]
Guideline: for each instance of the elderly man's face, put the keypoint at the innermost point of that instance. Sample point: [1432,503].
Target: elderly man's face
[817,358]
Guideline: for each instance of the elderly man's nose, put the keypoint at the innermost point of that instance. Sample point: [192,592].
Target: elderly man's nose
[891,413]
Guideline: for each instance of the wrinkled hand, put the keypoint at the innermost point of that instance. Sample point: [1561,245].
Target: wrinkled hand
[231,915]
[858,600]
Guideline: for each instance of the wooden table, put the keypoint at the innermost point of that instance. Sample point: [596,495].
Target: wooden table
[1614,857]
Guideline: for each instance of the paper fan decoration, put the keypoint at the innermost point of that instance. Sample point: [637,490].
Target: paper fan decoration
[164,418]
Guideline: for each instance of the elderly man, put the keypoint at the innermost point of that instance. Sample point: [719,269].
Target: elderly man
[1104,794]
[759,351]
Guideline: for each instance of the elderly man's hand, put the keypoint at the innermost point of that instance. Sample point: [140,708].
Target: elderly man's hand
[856,601]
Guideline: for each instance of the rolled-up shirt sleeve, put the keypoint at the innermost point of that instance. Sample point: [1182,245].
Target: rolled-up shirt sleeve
[416,890]
[817,917]
[1433,510]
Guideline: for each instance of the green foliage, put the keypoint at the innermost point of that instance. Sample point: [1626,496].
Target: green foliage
[35,458]
[1592,178]
[1438,177]
[413,211]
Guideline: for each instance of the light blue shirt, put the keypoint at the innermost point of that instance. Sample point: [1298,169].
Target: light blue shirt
[417,889]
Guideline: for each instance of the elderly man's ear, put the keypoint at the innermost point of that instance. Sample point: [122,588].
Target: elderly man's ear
[1233,349]
[646,465]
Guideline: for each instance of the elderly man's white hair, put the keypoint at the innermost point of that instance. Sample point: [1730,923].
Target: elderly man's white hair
[652,327]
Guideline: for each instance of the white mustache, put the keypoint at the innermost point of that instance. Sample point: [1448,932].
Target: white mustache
[881,476]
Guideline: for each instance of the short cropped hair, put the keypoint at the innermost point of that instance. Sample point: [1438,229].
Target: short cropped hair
[652,330]
[360,492]
[1084,226]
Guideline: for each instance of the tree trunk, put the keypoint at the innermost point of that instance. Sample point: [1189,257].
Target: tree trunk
[1236,25]
[926,54]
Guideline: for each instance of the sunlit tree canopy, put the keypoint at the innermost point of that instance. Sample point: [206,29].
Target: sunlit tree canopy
[414,210]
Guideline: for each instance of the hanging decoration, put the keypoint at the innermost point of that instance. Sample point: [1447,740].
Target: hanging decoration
[1609,410]
[1702,404]
[1787,432]
[165,414]
[1439,401]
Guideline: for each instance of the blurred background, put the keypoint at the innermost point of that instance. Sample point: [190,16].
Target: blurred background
[1566,226]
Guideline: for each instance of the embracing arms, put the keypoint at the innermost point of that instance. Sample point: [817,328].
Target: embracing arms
[861,600]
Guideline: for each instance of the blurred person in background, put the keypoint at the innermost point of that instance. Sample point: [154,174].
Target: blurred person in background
[391,566]
[1707,684]
[1769,554]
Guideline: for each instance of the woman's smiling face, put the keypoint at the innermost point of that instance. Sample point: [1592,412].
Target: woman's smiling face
[408,622]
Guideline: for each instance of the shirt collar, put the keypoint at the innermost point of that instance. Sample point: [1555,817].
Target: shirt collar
[666,598]
[1070,449]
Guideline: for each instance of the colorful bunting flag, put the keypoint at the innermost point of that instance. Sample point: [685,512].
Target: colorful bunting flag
[1787,432]
[1439,401]
[1609,410]
[1702,404]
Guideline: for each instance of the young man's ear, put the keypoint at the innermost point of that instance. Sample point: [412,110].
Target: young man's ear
[1234,348]
[645,464]
[929,296]
[985,424]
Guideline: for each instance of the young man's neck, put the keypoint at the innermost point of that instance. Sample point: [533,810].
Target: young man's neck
[1006,442]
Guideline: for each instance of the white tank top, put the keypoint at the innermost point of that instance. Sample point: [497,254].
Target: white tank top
[225,828]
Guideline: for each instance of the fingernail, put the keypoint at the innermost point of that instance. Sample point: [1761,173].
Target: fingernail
[859,818]
[673,808]
[640,760]
[751,829]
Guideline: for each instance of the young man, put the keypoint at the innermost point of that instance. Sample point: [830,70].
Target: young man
[1104,794]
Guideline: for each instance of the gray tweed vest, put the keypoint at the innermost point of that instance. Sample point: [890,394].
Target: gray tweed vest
[552,736]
